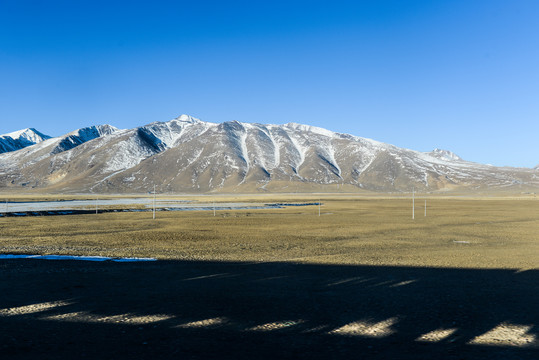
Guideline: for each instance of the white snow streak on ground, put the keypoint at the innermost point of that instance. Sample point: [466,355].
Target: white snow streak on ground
[72,257]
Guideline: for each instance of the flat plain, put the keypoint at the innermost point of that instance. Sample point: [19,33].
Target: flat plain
[361,280]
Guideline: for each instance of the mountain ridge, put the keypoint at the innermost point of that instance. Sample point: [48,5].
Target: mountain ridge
[186,154]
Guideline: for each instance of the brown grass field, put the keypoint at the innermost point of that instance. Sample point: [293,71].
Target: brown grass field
[471,233]
[363,280]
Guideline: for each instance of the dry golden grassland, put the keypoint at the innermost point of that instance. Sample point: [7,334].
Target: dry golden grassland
[463,232]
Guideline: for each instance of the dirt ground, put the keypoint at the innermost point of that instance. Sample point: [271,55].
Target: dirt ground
[362,281]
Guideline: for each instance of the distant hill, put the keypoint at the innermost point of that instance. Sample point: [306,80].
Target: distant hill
[189,155]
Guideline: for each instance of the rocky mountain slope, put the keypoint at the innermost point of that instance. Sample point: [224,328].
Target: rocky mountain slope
[189,155]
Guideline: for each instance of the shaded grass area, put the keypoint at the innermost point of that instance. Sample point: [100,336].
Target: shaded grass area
[455,233]
[246,310]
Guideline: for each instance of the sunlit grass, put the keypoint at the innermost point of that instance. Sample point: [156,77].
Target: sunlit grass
[494,233]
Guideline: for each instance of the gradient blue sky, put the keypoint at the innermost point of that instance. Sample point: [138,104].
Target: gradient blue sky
[459,75]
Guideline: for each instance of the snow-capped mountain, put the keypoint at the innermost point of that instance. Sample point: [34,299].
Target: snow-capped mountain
[190,155]
[30,162]
[20,139]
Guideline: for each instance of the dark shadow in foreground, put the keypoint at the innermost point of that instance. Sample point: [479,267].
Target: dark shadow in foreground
[192,310]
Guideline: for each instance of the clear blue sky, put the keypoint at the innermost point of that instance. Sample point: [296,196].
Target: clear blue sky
[461,75]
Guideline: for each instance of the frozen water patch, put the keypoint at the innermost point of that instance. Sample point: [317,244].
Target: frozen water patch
[129,205]
[73,257]
[133,259]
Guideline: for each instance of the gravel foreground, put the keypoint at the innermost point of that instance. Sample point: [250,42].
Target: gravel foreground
[264,310]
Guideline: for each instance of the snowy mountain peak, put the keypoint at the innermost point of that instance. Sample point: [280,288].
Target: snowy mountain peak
[106,129]
[187,118]
[20,139]
[30,134]
[445,155]
[80,136]
[91,132]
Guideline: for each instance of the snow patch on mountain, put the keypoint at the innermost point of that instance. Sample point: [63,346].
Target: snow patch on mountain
[128,153]
[80,136]
[444,155]
[272,145]
[299,147]
[244,154]
[311,129]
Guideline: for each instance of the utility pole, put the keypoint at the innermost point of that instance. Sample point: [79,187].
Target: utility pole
[413,203]
[425,207]
[96,205]
[213,207]
[154,201]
